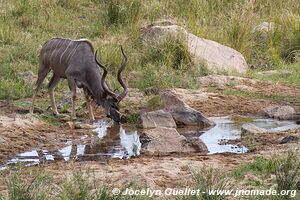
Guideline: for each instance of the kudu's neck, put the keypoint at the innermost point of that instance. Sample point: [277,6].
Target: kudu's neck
[93,79]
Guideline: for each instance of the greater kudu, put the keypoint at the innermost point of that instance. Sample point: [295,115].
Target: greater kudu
[75,61]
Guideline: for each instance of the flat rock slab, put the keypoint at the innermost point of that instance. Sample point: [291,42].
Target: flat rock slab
[154,119]
[167,140]
[251,129]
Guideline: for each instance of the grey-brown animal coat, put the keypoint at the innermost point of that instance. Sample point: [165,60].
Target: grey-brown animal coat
[75,61]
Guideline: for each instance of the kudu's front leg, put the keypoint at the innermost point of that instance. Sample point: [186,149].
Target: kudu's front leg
[89,105]
[72,86]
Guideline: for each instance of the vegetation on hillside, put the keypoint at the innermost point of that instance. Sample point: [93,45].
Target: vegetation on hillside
[26,24]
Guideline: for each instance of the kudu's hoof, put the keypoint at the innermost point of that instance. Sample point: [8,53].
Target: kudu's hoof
[64,117]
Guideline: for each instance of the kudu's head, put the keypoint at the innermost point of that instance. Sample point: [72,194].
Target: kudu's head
[112,99]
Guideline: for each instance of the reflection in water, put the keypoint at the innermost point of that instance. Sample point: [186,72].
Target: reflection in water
[102,126]
[227,129]
[110,141]
[131,142]
[115,141]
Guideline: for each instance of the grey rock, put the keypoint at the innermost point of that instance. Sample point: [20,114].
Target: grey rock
[251,129]
[288,139]
[167,140]
[198,144]
[182,113]
[281,112]
[156,119]
[219,58]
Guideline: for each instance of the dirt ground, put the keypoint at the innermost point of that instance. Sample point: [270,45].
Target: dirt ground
[22,132]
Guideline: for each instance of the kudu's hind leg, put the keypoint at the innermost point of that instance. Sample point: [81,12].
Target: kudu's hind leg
[89,105]
[43,71]
[53,82]
[72,86]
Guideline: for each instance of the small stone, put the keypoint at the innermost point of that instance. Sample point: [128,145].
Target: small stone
[251,129]
[2,140]
[79,125]
[288,139]
[280,112]
[71,124]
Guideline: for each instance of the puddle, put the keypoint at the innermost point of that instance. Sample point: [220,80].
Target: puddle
[228,129]
[109,141]
[114,141]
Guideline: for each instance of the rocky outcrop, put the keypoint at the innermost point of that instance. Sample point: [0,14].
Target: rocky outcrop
[182,113]
[167,140]
[154,119]
[219,58]
[281,112]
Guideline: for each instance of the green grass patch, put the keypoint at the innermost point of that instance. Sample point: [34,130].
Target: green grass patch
[132,118]
[208,178]
[38,185]
[259,166]
[26,25]
[290,74]
[287,171]
[154,102]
